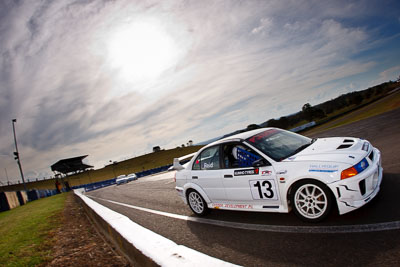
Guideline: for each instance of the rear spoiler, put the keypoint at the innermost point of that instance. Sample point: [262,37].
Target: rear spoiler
[177,162]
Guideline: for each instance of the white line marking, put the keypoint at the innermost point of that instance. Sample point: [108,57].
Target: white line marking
[162,251]
[395,225]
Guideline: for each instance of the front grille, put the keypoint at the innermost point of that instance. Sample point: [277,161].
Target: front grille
[361,184]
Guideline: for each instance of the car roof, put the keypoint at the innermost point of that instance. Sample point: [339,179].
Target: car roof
[240,136]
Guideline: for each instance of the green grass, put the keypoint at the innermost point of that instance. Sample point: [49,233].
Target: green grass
[382,107]
[25,232]
[390,102]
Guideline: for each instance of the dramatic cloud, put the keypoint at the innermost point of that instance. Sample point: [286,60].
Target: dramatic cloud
[112,79]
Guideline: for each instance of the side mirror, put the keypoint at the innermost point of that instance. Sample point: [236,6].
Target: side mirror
[260,163]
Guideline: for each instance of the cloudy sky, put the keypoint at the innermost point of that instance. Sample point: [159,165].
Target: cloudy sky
[112,79]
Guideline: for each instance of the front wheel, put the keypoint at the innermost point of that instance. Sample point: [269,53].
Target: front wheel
[311,201]
[197,203]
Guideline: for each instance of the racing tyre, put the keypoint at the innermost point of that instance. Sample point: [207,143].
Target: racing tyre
[197,203]
[311,201]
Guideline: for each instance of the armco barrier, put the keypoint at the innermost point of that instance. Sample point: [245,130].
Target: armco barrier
[96,185]
[139,245]
[153,171]
[101,184]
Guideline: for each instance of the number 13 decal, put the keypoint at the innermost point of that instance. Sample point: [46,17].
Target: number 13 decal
[263,189]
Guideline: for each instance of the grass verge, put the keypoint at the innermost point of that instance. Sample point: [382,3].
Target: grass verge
[389,103]
[26,231]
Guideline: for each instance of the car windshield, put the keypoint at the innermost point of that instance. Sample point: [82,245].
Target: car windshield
[279,144]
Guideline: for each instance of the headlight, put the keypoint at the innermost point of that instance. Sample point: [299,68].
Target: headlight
[356,169]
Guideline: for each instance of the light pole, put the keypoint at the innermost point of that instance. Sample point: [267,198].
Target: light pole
[113,168]
[8,182]
[16,154]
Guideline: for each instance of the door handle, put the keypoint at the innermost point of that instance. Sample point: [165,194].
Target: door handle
[195,177]
[228,176]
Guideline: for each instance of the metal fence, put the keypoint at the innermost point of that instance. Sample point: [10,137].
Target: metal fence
[9,200]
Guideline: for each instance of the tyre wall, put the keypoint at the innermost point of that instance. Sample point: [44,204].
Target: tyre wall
[10,200]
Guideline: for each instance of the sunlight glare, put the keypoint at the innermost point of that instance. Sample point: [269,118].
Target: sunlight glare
[141,51]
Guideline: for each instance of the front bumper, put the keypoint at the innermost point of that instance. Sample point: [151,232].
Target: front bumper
[355,192]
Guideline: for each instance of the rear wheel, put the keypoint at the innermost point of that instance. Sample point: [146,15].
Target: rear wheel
[311,200]
[197,203]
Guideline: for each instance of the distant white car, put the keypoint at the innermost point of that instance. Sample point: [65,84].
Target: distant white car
[132,177]
[273,170]
[121,179]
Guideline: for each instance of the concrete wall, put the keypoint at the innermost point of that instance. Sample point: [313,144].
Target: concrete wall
[135,257]
[141,246]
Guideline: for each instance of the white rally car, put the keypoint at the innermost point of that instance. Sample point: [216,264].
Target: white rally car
[273,170]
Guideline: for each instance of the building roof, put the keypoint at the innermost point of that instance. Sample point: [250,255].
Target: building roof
[70,165]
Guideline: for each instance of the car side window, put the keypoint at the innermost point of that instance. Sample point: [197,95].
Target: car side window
[208,159]
[237,155]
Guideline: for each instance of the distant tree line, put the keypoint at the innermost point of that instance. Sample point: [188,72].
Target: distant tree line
[314,113]
[309,113]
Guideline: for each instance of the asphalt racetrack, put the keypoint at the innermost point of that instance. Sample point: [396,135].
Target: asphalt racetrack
[369,236]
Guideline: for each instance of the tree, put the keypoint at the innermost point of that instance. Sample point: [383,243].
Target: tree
[306,107]
[272,123]
[319,113]
[307,111]
[283,123]
[252,127]
[356,98]
[368,94]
